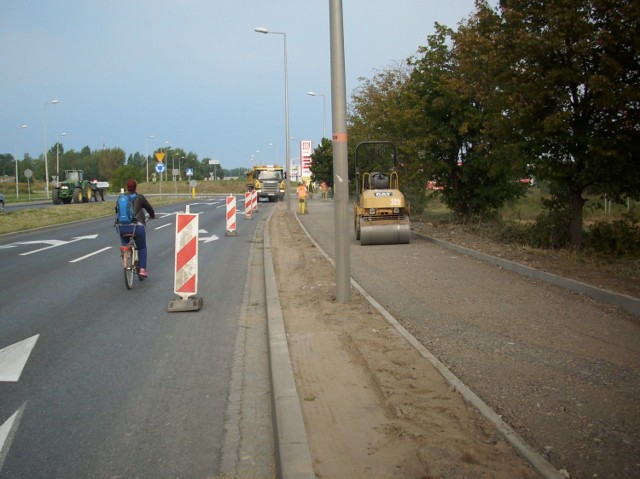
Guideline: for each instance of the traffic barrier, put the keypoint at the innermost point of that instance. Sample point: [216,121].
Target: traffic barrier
[248,205]
[254,200]
[186,263]
[231,216]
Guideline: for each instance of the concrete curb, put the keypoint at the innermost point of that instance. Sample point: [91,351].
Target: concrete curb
[293,455]
[629,303]
[539,463]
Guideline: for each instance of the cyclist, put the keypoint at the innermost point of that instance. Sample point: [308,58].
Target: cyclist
[140,205]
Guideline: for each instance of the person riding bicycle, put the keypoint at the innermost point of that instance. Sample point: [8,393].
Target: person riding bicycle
[137,227]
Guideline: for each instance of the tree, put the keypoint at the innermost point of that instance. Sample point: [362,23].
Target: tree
[109,160]
[322,162]
[381,110]
[574,84]
[449,95]
[120,176]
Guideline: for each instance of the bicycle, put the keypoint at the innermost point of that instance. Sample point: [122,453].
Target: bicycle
[129,255]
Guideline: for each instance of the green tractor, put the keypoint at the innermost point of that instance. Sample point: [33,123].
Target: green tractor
[76,189]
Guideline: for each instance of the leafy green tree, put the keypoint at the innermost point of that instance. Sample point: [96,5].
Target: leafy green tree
[381,110]
[6,162]
[122,174]
[573,79]
[109,160]
[450,93]
[322,162]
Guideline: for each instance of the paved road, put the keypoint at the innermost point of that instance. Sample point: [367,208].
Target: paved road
[113,385]
[562,369]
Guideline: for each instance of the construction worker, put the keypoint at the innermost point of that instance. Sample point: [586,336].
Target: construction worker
[325,188]
[302,198]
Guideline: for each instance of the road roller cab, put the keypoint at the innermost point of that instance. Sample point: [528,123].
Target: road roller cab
[381,215]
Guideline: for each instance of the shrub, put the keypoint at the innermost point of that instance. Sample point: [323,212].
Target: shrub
[617,238]
[551,229]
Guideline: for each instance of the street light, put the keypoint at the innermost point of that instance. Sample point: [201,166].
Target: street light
[168,149]
[18,128]
[324,110]
[44,125]
[275,154]
[58,157]
[146,152]
[286,113]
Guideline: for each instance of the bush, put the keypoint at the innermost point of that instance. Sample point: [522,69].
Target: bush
[551,229]
[617,238]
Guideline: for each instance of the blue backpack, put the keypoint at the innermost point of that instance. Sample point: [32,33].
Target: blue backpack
[124,208]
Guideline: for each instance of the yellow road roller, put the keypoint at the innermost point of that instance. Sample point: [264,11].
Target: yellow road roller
[381,214]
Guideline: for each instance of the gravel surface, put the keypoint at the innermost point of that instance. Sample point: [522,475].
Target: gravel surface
[562,369]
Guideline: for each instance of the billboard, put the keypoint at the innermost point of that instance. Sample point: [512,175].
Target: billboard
[306,149]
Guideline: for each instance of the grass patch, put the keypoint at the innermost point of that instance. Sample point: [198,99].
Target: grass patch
[30,218]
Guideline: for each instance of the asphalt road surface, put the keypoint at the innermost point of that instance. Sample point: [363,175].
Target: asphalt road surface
[98,381]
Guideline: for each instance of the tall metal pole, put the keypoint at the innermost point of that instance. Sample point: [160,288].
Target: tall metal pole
[287,186]
[18,128]
[58,157]
[146,153]
[44,125]
[324,111]
[340,153]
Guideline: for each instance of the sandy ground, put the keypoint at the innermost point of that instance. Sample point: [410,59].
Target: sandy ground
[561,369]
[373,407]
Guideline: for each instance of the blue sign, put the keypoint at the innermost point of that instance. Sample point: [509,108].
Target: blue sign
[189,171]
[160,167]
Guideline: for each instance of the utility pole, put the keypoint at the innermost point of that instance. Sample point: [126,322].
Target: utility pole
[340,153]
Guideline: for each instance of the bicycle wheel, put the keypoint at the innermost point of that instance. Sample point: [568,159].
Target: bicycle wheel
[128,267]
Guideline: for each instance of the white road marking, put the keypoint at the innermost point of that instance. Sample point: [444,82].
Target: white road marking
[163,226]
[89,255]
[8,431]
[13,359]
[55,243]
[209,239]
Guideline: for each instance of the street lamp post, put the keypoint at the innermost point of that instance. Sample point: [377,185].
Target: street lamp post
[18,128]
[339,140]
[324,111]
[275,154]
[168,149]
[286,113]
[44,125]
[58,157]
[146,153]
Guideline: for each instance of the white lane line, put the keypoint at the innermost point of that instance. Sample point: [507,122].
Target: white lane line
[163,226]
[89,255]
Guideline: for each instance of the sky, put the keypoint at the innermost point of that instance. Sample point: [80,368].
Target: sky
[192,74]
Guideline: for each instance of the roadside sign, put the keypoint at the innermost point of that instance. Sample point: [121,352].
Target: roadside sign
[189,171]
[159,156]
[160,167]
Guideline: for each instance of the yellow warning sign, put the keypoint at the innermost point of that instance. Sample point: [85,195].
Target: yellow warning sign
[159,156]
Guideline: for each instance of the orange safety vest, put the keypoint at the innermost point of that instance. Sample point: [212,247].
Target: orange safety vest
[302,191]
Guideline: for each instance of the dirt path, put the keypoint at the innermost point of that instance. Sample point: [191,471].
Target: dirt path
[563,370]
[373,407]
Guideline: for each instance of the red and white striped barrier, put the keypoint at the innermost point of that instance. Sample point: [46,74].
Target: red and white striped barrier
[186,264]
[254,200]
[248,205]
[231,215]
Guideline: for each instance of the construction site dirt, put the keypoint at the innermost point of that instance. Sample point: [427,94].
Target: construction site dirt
[561,369]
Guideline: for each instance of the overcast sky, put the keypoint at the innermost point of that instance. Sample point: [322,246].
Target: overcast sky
[192,73]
